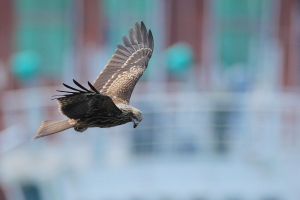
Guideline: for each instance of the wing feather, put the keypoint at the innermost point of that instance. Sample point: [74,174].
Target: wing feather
[79,85]
[144,34]
[128,44]
[129,60]
[93,88]
[139,35]
[133,39]
[67,86]
[120,56]
[65,91]
[151,41]
[79,103]
[124,50]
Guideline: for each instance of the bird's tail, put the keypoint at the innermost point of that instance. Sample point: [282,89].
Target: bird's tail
[51,127]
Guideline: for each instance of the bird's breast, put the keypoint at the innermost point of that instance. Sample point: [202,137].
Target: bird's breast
[103,120]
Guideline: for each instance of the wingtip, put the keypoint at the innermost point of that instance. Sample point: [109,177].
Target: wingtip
[35,137]
[143,26]
[150,34]
[131,31]
[93,88]
[125,39]
[151,40]
[76,82]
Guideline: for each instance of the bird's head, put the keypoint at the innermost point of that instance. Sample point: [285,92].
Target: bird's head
[137,117]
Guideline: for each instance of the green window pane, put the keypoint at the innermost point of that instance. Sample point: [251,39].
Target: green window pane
[234,47]
[238,24]
[43,28]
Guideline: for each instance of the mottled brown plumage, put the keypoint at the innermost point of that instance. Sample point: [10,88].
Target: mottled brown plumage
[106,103]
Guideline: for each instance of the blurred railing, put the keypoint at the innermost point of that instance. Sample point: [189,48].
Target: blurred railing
[192,123]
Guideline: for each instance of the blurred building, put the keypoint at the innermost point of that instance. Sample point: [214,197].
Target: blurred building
[220,100]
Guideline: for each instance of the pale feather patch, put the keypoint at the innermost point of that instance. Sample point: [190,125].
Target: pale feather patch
[131,60]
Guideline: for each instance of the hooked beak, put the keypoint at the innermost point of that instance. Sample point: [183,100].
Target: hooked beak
[135,123]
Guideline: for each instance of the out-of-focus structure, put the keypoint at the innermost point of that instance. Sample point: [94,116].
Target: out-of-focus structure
[220,97]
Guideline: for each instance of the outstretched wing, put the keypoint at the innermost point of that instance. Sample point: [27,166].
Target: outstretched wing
[127,65]
[79,103]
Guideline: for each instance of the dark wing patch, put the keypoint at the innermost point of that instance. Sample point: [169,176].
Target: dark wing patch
[136,52]
[75,109]
[78,103]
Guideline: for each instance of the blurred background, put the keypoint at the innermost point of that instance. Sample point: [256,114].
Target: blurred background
[220,100]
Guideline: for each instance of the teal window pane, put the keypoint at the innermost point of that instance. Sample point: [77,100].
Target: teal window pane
[135,6]
[45,5]
[240,8]
[238,23]
[234,47]
[232,8]
[43,28]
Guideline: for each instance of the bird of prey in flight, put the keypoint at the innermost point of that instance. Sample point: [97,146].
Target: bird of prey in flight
[106,103]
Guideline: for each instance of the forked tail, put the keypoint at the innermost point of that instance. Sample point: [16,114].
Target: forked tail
[51,127]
